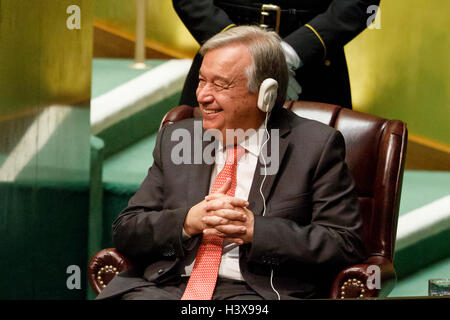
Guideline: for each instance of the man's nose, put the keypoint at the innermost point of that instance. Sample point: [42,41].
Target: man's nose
[204,94]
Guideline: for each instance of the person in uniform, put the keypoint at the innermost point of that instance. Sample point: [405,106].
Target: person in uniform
[314,33]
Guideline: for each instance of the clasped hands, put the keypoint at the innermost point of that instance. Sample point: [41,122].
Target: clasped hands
[221,215]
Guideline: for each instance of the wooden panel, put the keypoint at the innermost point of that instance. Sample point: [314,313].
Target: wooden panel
[425,154]
[113,42]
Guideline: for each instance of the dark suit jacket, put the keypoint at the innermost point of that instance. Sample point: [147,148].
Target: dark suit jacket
[311,228]
[324,74]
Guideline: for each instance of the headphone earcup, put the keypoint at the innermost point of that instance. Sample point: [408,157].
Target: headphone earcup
[267,94]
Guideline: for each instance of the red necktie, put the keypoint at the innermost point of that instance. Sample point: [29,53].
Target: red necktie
[206,267]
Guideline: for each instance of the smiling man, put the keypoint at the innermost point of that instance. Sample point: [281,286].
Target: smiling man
[222,91]
[230,230]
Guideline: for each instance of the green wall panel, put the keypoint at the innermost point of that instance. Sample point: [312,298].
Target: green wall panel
[45,73]
[401,70]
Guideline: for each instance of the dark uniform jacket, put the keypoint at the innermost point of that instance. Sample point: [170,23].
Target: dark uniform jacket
[316,29]
[311,228]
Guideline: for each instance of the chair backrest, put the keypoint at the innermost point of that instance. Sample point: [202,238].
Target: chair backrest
[376,150]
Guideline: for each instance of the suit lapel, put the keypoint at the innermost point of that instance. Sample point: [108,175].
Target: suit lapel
[255,199]
[200,171]
[199,179]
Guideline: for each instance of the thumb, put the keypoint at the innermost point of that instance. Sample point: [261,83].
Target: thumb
[225,187]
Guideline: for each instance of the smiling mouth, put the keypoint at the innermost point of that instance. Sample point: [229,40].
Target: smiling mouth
[211,111]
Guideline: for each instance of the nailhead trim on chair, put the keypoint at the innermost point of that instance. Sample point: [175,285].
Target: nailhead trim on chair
[353,281]
[104,270]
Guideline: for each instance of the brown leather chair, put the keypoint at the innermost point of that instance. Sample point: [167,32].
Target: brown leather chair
[375,155]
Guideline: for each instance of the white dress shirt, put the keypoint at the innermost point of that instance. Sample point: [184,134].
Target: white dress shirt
[229,265]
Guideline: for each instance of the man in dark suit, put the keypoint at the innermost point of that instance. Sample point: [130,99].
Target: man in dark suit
[314,34]
[293,220]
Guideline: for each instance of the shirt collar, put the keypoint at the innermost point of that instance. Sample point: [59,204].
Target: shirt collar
[251,143]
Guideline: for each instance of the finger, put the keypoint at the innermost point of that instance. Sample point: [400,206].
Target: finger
[213,232]
[225,203]
[238,241]
[236,238]
[231,230]
[237,202]
[214,221]
[216,195]
[230,215]
[225,187]
[218,203]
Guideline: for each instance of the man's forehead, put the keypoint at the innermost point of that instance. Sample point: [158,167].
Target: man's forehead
[231,58]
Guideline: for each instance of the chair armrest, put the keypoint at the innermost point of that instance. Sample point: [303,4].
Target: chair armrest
[104,266]
[353,281]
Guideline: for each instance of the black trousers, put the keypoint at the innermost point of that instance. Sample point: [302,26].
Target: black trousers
[173,289]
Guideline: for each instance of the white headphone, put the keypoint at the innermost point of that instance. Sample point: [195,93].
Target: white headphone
[266,100]
[267,94]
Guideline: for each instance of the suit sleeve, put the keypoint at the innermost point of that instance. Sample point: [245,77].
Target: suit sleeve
[333,236]
[144,228]
[341,22]
[202,18]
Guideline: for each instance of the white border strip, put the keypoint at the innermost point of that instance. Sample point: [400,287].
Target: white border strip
[137,94]
[423,222]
